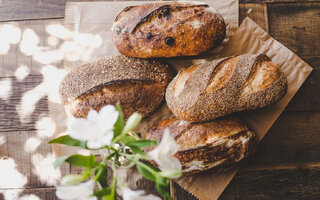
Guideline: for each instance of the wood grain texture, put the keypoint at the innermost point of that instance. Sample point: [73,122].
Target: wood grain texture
[17,57]
[29,193]
[293,140]
[307,97]
[300,183]
[33,158]
[20,99]
[257,12]
[296,25]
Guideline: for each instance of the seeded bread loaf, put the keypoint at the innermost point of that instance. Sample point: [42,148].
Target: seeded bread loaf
[220,87]
[168,29]
[137,84]
[220,144]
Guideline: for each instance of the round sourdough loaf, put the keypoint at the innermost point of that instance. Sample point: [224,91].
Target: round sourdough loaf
[218,145]
[137,84]
[168,29]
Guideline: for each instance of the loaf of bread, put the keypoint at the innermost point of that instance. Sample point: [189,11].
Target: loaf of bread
[220,144]
[138,85]
[168,29]
[220,87]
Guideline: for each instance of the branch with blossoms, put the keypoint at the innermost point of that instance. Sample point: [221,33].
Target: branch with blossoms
[107,130]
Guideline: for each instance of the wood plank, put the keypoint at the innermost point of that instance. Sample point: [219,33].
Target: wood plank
[28,193]
[307,97]
[296,25]
[25,104]
[33,9]
[276,1]
[19,54]
[43,9]
[257,12]
[301,183]
[33,158]
[293,140]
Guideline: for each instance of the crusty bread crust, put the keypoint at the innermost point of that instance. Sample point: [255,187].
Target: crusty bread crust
[224,86]
[218,145]
[137,84]
[168,29]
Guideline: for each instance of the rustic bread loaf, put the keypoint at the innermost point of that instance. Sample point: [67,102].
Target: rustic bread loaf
[168,29]
[219,144]
[137,84]
[217,88]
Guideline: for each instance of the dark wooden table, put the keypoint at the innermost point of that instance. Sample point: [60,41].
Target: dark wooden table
[286,165]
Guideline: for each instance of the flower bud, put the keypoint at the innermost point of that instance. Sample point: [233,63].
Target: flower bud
[132,122]
[71,179]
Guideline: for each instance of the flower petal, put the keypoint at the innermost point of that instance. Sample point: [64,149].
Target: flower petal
[82,191]
[164,153]
[128,194]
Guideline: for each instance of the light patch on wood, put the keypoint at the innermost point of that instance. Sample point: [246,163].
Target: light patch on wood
[5,89]
[22,72]
[31,144]
[44,170]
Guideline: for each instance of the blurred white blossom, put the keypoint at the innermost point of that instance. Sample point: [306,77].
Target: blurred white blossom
[82,191]
[163,154]
[128,194]
[97,129]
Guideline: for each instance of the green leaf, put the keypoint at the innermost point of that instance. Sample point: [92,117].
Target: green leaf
[102,192]
[101,174]
[141,143]
[58,162]
[82,161]
[163,187]
[112,195]
[118,126]
[145,171]
[137,150]
[66,140]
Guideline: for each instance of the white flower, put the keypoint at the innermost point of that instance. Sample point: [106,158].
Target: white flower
[82,191]
[97,129]
[163,154]
[128,194]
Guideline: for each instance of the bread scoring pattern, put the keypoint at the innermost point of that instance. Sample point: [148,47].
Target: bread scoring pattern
[224,86]
[220,144]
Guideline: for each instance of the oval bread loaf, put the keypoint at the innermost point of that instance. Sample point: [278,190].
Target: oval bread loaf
[219,144]
[220,87]
[168,29]
[138,85]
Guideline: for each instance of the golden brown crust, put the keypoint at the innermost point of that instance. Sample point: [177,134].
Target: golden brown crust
[167,29]
[138,85]
[219,144]
[221,87]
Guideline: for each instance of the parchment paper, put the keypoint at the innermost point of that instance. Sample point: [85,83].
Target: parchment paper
[248,38]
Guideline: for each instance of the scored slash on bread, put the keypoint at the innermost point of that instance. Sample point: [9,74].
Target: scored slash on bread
[220,87]
[220,144]
[138,85]
[168,29]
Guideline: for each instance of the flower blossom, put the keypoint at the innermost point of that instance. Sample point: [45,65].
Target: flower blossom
[81,191]
[97,129]
[163,154]
[128,194]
